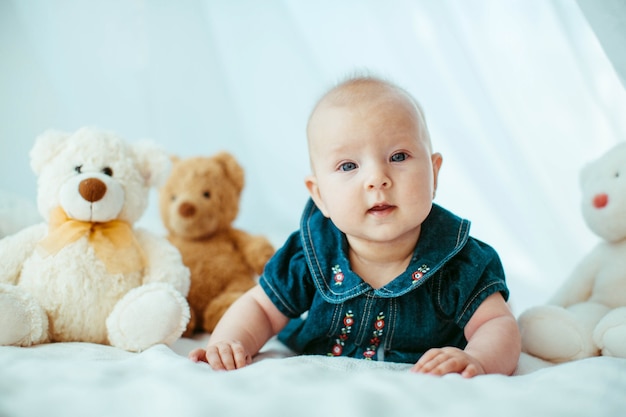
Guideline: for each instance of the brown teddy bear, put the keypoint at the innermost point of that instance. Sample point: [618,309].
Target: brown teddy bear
[198,204]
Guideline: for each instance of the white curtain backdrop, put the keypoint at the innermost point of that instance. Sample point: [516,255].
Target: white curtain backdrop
[518,95]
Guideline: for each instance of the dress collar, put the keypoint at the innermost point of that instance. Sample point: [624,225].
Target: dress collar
[442,236]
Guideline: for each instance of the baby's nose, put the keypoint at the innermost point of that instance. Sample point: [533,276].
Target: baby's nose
[380,184]
[378,179]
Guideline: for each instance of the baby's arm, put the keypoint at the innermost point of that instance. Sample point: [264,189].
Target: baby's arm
[493,344]
[243,330]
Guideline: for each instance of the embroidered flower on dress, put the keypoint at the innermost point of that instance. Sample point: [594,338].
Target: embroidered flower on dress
[369,354]
[379,325]
[337,348]
[417,275]
[337,275]
[374,342]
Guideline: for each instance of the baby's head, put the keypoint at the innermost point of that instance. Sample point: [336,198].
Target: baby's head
[371,158]
[361,91]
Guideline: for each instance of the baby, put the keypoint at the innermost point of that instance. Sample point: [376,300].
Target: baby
[381,272]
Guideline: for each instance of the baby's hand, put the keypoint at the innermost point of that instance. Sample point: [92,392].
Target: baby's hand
[448,360]
[222,356]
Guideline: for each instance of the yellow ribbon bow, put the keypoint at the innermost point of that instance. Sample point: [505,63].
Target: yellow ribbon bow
[113,242]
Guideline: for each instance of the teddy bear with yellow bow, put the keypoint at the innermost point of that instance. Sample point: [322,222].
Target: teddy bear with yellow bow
[86,274]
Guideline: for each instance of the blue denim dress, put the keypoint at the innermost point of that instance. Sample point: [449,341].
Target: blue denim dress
[335,312]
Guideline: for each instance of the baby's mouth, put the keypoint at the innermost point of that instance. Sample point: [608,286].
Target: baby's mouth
[381,209]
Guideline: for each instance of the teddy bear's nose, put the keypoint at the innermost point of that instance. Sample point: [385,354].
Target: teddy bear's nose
[187,209]
[92,189]
[600,200]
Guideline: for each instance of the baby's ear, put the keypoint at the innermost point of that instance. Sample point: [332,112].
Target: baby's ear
[311,184]
[437,160]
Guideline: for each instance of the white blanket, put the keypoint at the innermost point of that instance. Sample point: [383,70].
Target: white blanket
[82,379]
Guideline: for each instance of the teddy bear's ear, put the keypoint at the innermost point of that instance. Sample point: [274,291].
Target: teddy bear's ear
[153,162]
[47,146]
[231,167]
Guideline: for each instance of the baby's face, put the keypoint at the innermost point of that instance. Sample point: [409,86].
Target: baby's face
[374,173]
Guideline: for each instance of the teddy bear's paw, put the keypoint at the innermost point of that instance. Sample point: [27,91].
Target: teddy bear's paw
[610,333]
[217,307]
[22,320]
[148,315]
[259,250]
[553,334]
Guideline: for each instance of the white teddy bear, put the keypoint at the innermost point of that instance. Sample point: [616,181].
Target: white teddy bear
[587,315]
[86,274]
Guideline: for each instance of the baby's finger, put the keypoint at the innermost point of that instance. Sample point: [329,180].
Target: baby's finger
[470,371]
[197,355]
[214,358]
[429,361]
[241,358]
[447,365]
[227,356]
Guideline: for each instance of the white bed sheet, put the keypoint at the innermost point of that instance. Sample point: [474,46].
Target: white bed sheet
[83,379]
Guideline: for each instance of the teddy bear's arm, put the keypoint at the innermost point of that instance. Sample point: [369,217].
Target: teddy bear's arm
[579,285]
[163,262]
[16,248]
[256,250]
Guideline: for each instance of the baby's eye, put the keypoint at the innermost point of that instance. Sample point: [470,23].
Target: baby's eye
[347,166]
[398,157]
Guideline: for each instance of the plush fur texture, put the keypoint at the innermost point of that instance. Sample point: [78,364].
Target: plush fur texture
[85,274]
[198,204]
[587,315]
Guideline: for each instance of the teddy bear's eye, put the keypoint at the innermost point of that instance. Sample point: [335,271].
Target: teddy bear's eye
[107,171]
[78,169]
[616,175]
[206,194]
[173,197]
